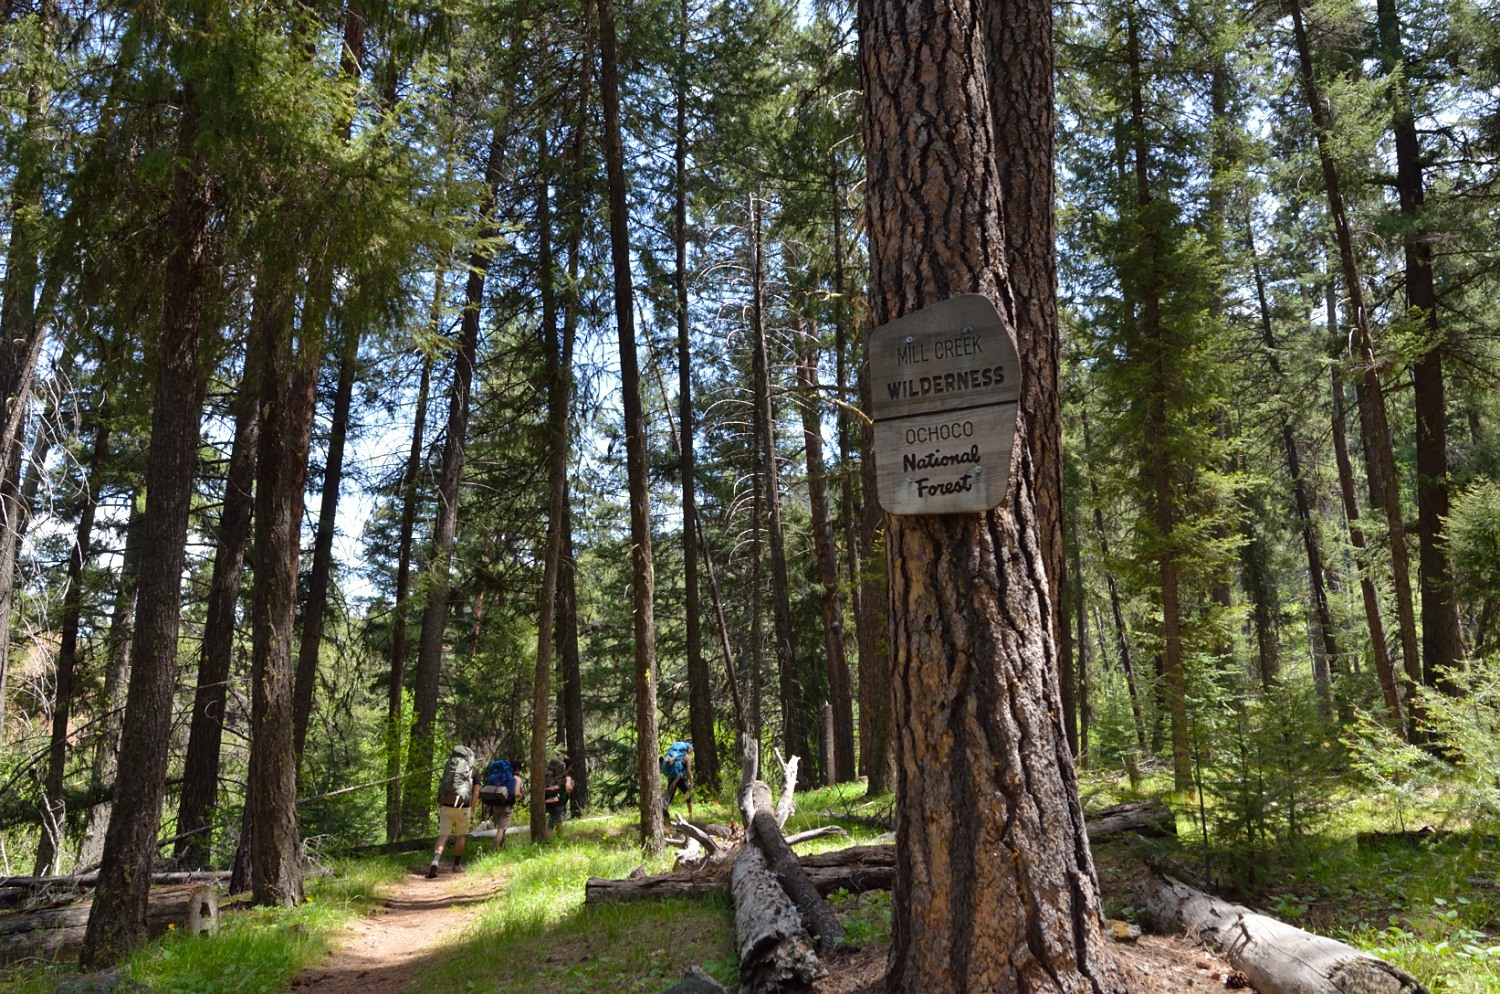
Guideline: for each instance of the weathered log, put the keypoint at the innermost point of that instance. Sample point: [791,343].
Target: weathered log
[855,869]
[776,953]
[815,833]
[764,833]
[84,881]
[1277,958]
[1150,818]
[57,933]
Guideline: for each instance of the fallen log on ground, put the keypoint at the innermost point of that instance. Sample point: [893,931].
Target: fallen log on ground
[1150,818]
[764,832]
[16,891]
[856,869]
[1277,958]
[776,952]
[57,933]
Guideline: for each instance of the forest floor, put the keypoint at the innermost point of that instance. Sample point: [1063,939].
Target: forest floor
[385,953]
[1152,964]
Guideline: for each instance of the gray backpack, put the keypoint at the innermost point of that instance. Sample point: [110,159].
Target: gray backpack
[458,777]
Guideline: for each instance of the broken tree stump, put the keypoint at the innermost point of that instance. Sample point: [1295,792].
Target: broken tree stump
[57,933]
[1277,958]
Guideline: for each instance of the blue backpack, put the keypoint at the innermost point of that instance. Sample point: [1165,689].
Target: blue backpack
[499,783]
[672,763]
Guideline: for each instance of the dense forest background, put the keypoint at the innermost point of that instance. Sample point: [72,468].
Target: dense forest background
[491,372]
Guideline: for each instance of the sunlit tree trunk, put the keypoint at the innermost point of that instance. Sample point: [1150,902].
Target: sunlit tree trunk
[995,888]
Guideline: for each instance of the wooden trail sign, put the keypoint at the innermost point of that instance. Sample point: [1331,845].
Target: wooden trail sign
[946,381]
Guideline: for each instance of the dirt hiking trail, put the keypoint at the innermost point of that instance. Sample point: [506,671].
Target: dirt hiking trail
[380,954]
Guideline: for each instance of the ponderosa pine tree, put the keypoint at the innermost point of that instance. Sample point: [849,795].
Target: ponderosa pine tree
[988,800]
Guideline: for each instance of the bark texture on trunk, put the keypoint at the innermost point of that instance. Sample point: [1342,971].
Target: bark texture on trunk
[117,921]
[1442,634]
[288,398]
[991,826]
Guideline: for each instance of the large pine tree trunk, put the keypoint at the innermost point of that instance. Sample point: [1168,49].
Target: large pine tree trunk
[199,800]
[288,399]
[1020,92]
[991,826]
[117,922]
[841,764]
[643,586]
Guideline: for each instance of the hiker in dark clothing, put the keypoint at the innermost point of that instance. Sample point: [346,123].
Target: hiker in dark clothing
[457,795]
[559,787]
[677,766]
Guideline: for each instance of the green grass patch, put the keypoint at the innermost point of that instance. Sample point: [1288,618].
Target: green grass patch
[257,951]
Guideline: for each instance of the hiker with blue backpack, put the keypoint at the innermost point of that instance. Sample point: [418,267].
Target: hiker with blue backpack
[457,794]
[676,764]
[501,787]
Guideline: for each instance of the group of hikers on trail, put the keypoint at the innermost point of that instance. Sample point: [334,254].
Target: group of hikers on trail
[499,785]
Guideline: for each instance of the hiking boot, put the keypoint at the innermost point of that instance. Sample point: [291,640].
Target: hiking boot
[458,864]
[432,872]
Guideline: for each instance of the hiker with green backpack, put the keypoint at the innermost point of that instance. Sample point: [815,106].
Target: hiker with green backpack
[457,794]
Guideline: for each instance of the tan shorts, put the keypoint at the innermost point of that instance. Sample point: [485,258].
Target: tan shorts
[453,821]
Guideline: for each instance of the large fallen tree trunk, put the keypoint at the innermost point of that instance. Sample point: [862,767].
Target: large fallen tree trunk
[856,869]
[1151,818]
[1275,957]
[57,933]
[18,890]
[764,831]
[776,952]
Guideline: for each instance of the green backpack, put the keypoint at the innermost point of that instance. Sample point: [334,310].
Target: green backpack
[458,778]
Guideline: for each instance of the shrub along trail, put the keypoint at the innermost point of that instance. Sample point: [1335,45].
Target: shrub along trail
[382,953]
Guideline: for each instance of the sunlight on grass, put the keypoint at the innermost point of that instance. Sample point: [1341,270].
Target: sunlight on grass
[257,950]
